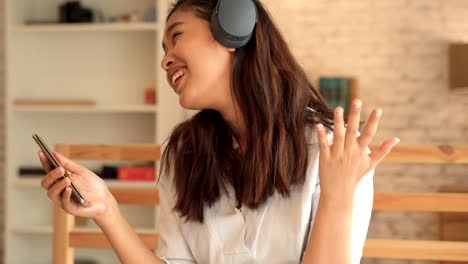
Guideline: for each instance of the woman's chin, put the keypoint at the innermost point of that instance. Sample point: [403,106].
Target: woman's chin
[190,100]
[185,101]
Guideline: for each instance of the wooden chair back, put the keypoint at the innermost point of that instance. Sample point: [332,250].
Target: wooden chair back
[66,237]
[434,250]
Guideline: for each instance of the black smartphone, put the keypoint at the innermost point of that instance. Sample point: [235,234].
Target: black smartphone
[75,193]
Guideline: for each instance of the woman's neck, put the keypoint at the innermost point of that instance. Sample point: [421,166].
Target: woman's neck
[233,117]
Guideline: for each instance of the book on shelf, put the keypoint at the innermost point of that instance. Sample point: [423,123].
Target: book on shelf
[136,173]
[338,91]
[35,171]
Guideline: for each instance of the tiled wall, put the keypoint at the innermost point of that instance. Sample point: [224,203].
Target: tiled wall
[398,51]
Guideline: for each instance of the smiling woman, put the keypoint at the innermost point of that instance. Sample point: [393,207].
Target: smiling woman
[246,163]
[241,181]
[259,84]
[206,64]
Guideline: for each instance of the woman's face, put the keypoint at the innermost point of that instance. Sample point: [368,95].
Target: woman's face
[198,68]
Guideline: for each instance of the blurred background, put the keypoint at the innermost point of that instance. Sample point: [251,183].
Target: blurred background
[88,72]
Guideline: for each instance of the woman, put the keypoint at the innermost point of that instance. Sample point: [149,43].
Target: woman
[240,182]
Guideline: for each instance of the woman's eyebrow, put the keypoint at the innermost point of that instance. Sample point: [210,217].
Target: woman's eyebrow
[169,29]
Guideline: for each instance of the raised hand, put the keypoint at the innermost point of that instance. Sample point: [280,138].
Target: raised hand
[346,161]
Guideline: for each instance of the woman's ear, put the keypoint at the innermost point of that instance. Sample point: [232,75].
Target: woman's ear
[231,49]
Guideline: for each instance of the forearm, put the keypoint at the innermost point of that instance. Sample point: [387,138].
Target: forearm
[124,240]
[330,239]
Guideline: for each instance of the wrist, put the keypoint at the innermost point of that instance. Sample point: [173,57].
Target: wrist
[344,201]
[109,213]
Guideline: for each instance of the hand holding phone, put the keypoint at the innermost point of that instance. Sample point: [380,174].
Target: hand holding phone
[55,164]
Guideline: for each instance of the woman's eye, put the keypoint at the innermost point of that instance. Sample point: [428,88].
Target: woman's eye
[174,36]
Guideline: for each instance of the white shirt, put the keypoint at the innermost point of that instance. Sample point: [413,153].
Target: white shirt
[273,233]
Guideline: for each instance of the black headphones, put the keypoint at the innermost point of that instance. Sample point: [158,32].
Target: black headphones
[233,22]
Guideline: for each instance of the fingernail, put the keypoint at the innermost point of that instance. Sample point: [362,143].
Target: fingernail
[357,104]
[378,113]
[397,140]
[320,127]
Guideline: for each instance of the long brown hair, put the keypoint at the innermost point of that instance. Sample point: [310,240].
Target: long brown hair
[272,91]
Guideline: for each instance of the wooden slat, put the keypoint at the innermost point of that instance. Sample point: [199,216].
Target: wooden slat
[81,239]
[113,152]
[427,154]
[143,196]
[427,202]
[416,249]
[63,223]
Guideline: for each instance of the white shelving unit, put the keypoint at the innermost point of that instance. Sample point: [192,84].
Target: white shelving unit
[109,63]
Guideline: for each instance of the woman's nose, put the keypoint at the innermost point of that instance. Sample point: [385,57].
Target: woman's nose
[166,62]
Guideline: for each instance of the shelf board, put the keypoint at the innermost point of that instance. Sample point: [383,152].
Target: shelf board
[35,182]
[88,109]
[93,229]
[48,229]
[28,182]
[33,229]
[88,27]
[130,184]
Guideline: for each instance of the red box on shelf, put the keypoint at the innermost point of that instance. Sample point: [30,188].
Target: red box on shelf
[136,173]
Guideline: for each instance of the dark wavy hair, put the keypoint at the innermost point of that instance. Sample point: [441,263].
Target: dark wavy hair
[272,91]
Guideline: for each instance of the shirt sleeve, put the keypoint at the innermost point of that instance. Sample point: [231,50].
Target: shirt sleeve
[363,201]
[172,247]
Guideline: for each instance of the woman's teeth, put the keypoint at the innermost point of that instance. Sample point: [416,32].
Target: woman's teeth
[178,74]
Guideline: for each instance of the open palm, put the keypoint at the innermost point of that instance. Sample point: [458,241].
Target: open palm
[343,163]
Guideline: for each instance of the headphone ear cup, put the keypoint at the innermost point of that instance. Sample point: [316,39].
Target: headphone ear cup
[233,22]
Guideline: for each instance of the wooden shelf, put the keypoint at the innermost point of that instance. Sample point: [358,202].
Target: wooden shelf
[87,27]
[82,82]
[35,182]
[48,229]
[88,109]
[33,229]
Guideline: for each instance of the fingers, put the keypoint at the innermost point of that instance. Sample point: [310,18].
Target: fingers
[370,129]
[52,177]
[338,131]
[56,189]
[67,204]
[353,124]
[45,162]
[378,155]
[322,140]
[68,164]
